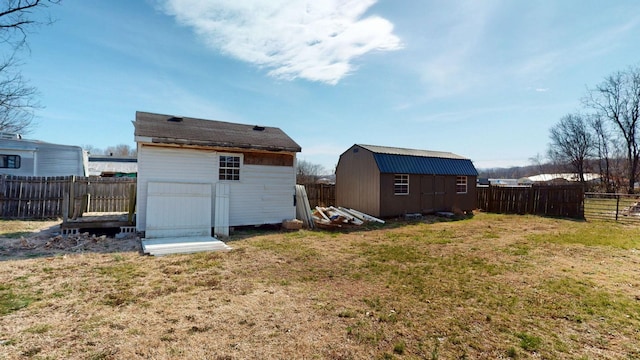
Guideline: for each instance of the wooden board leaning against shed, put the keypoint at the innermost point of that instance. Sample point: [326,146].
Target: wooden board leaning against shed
[303,209]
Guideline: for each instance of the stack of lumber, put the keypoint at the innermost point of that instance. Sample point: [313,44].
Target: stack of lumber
[332,217]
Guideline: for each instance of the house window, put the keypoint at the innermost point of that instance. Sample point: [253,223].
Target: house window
[401,184]
[229,168]
[10,161]
[461,184]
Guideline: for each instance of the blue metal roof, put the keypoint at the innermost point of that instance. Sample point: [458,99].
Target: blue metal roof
[406,164]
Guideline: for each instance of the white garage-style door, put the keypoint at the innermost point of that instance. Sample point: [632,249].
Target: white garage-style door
[178,209]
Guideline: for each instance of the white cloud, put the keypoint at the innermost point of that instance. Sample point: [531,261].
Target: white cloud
[314,40]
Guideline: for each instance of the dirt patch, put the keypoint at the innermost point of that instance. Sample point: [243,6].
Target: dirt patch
[45,239]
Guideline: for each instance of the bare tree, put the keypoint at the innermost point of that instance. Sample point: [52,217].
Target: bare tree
[17,19]
[120,150]
[604,149]
[538,164]
[17,97]
[117,150]
[617,99]
[91,149]
[571,143]
[307,172]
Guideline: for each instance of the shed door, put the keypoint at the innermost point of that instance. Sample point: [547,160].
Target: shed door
[178,209]
[432,193]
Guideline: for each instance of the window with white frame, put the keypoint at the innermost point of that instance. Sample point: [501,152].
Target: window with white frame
[229,168]
[461,184]
[9,161]
[401,184]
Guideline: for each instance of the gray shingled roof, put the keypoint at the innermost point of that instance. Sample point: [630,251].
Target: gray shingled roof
[168,129]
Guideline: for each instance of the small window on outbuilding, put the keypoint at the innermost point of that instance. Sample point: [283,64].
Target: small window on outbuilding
[229,168]
[461,184]
[10,161]
[401,184]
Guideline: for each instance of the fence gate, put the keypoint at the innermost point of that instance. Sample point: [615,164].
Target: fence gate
[614,207]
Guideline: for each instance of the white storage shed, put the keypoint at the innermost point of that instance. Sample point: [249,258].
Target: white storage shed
[195,175]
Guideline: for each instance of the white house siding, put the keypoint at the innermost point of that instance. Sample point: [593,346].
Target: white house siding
[171,165]
[264,194]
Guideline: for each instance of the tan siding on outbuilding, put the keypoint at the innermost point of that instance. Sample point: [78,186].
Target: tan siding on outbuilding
[391,204]
[427,194]
[365,181]
[358,181]
[468,201]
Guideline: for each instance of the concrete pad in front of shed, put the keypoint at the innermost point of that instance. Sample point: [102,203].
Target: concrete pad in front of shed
[182,245]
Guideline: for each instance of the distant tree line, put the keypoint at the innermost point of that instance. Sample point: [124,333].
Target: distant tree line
[308,172]
[117,150]
[517,172]
[604,137]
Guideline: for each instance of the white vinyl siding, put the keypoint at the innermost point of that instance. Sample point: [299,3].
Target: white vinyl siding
[263,195]
[178,209]
[171,165]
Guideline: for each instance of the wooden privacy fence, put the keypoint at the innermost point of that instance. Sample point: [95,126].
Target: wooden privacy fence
[321,194]
[549,200]
[31,197]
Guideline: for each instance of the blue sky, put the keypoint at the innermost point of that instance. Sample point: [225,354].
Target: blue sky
[485,79]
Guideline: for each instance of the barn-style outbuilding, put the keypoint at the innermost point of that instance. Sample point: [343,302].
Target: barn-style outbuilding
[387,181]
[197,174]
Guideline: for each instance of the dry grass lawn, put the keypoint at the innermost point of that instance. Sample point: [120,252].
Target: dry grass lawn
[493,286]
